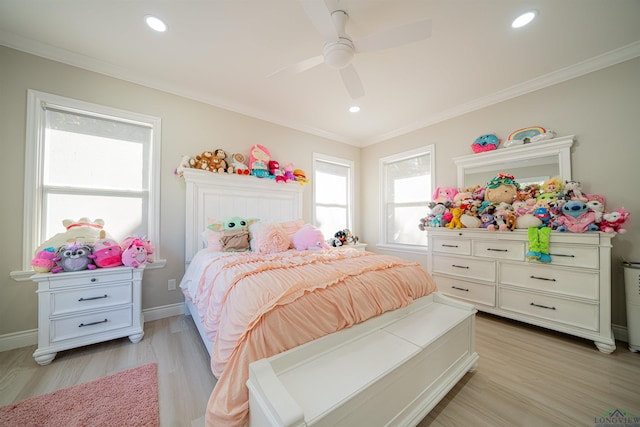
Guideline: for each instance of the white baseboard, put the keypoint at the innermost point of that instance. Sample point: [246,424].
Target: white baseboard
[26,338]
[620,333]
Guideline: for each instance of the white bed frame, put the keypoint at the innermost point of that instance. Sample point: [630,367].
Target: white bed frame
[389,370]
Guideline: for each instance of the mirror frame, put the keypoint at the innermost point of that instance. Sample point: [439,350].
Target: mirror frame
[560,147]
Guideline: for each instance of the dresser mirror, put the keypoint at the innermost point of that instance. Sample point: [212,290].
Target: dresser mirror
[529,163]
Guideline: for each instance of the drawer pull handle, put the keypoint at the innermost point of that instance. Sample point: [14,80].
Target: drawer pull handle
[543,278]
[81,325]
[459,266]
[542,306]
[450,246]
[567,256]
[460,289]
[498,250]
[92,298]
[93,280]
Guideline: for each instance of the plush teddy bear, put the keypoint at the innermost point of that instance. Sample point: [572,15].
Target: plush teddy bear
[185,163]
[203,161]
[219,161]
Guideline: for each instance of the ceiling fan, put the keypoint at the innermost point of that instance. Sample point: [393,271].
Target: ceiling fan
[339,49]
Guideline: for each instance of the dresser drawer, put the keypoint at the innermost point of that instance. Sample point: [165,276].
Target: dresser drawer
[476,269]
[88,298]
[90,323]
[480,293]
[573,283]
[559,310]
[499,249]
[452,246]
[95,277]
[574,256]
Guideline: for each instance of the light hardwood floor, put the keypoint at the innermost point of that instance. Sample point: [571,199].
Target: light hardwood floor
[527,376]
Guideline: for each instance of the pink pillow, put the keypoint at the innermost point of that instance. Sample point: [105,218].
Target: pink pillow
[268,238]
[213,237]
[291,227]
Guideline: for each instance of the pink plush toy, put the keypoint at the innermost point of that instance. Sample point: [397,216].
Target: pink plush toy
[107,252]
[44,262]
[444,194]
[136,252]
[612,221]
[309,238]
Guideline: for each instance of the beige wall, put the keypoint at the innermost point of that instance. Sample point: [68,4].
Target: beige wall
[602,109]
[188,127]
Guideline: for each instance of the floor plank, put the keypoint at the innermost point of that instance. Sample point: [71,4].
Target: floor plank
[527,376]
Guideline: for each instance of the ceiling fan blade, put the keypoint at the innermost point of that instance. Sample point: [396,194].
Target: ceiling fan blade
[320,16]
[299,67]
[352,81]
[396,36]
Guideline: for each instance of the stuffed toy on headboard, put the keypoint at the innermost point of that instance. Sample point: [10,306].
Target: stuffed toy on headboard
[235,233]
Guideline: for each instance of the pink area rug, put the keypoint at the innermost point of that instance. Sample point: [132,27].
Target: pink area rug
[128,398]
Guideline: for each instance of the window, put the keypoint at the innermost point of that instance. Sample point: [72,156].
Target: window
[406,188]
[332,194]
[86,160]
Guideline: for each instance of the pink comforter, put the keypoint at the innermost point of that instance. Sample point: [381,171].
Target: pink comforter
[260,305]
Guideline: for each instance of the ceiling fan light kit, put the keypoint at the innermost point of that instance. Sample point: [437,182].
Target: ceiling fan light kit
[338,54]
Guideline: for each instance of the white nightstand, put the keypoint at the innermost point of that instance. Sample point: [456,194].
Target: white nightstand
[87,307]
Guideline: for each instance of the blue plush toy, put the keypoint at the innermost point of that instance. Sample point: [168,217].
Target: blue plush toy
[485,143]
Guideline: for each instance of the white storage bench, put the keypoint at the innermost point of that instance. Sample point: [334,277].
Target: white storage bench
[390,370]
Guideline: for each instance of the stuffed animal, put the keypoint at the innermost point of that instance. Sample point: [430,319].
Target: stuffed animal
[501,189]
[350,238]
[44,262]
[573,191]
[83,230]
[185,163]
[444,194]
[485,143]
[553,186]
[238,166]
[612,221]
[135,254]
[259,161]
[539,237]
[300,176]
[274,170]
[203,161]
[576,217]
[455,221]
[73,257]
[107,253]
[219,161]
[309,238]
[235,233]
[487,221]
[288,172]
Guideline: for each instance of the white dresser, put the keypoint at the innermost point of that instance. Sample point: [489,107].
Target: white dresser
[489,269]
[86,307]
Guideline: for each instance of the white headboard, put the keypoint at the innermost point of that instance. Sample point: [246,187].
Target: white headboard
[221,196]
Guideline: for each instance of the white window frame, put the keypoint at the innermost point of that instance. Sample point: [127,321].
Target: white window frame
[34,158]
[319,157]
[382,232]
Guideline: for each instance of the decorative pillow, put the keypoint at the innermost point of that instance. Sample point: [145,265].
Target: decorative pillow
[291,227]
[268,238]
[213,237]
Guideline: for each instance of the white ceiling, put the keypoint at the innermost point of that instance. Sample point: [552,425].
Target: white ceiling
[221,52]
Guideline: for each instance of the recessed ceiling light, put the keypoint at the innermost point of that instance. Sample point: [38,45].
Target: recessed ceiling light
[524,19]
[354,108]
[155,23]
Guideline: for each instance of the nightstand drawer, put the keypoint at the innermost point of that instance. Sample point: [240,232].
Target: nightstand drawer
[89,324]
[66,302]
[560,310]
[583,284]
[94,277]
[469,291]
[452,246]
[465,267]
[499,249]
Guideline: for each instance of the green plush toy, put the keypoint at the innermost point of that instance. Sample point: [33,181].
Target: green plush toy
[235,233]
